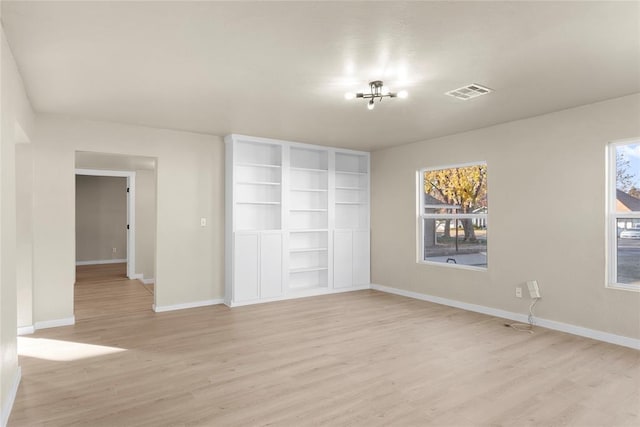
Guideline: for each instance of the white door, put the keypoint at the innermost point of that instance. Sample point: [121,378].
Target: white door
[245,267]
[361,258]
[342,259]
[270,265]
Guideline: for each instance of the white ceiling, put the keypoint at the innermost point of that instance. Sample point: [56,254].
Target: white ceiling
[280,70]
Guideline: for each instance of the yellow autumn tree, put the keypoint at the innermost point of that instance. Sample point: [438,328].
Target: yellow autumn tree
[465,187]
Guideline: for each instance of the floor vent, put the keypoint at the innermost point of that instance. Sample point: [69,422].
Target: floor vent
[469,91]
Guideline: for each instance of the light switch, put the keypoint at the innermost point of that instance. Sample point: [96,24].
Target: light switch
[203,222]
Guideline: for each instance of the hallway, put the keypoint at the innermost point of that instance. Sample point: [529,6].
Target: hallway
[104,289]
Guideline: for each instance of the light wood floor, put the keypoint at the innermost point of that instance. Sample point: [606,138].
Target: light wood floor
[104,290]
[356,359]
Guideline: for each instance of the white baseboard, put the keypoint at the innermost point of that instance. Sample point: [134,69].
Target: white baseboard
[101,261]
[194,304]
[26,330]
[301,293]
[140,277]
[7,405]
[545,323]
[55,323]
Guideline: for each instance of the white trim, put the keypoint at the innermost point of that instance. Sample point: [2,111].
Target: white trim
[612,217]
[101,261]
[45,324]
[7,405]
[131,210]
[300,293]
[104,172]
[149,281]
[26,330]
[137,276]
[624,287]
[453,166]
[455,216]
[194,304]
[421,215]
[451,265]
[545,323]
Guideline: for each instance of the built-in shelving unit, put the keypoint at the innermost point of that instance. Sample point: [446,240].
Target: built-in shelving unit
[288,207]
[308,210]
[352,191]
[258,186]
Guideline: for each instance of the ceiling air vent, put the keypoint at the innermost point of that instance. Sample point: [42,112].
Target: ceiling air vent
[469,91]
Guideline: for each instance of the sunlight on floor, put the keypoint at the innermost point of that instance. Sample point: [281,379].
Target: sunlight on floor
[61,351]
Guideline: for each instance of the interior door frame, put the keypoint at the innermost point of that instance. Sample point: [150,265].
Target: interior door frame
[131,212]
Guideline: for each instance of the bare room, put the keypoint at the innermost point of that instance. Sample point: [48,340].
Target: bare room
[320,213]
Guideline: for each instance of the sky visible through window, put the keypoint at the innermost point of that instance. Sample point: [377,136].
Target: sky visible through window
[627,224]
[628,159]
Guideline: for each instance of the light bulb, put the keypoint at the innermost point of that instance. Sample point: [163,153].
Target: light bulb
[371,105]
[349,95]
[403,94]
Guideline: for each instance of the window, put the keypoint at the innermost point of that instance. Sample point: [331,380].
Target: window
[453,215]
[624,215]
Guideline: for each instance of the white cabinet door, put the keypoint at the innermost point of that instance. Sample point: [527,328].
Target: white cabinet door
[342,259]
[361,258]
[245,267]
[270,265]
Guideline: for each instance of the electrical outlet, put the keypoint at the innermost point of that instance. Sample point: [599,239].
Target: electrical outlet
[518,292]
[203,222]
[115,250]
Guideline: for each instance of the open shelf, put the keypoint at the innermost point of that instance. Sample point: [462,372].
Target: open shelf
[307,269]
[310,159]
[309,199]
[309,250]
[258,154]
[311,278]
[257,216]
[258,203]
[309,170]
[257,165]
[350,173]
[257,183]
[319,190]
[352,163]
[307,219]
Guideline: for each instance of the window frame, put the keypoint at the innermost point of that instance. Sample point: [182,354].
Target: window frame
[612,217]
[421,216]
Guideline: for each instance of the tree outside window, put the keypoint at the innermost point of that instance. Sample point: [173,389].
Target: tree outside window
[624,215]
[454,214]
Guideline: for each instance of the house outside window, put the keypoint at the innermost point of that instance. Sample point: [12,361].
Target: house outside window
[623,263]
[453,215]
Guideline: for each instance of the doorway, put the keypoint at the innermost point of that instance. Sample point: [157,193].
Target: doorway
[115,235]
[105,218]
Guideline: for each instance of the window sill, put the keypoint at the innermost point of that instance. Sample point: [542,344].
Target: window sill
[451,265]
[623,287]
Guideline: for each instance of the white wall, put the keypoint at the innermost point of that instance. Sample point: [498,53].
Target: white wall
[190,185]
[101,218]
[24,234]
[146,223]
[16,123]
[546,182]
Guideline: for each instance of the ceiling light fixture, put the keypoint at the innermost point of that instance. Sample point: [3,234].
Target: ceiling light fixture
[378,91]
